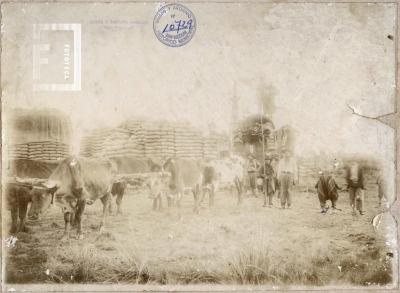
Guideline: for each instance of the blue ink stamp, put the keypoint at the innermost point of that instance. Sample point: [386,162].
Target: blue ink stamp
[174,25]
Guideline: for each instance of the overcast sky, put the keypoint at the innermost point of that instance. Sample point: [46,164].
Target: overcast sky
[317,58]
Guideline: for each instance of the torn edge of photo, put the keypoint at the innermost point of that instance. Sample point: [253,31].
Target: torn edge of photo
[199,146]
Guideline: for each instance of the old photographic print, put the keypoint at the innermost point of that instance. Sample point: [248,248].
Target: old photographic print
[199,146]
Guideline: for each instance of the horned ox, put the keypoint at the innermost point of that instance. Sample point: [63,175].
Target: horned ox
[230,173]
[203,178]
[82,181]
[20,194]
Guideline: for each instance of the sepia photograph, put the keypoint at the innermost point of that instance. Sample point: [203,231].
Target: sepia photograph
[199,146]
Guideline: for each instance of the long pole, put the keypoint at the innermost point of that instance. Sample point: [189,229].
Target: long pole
[262,137]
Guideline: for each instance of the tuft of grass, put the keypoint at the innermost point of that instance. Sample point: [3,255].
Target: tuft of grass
[83,264]
[251,266]
[86,265]
[199,277]
[196,273]
[129,268]
[259,264]
[315,265]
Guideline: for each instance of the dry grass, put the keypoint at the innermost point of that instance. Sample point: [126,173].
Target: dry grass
[226,244]
[84,264]
[261,266]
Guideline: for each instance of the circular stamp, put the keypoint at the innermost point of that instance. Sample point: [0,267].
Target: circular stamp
[174,25]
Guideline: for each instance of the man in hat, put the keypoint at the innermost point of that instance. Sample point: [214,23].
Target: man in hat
[286,172]
[267,173]
[252,169]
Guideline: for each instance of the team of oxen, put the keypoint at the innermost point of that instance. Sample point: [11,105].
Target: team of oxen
[77,182]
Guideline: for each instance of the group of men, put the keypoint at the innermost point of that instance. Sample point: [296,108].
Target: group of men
[279,176]
[355,180]
[273,176]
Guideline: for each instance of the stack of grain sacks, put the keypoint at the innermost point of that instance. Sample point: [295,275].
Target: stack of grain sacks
[18,151]
[93,143]
[40,135]
[167,140]
[154,139]
[86,146]
[48,150]
[210,147]
[135,145]
[188,142]
[114,144]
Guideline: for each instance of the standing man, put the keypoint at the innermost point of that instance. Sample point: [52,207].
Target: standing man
[327,189]
[209,182]
[274,164]
[267,173]
[381,182]
[287,172]
[355,185]
[252,169]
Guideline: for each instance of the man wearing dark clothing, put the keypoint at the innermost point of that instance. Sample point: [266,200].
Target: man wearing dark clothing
[327,189]
[252,169]
[382,193]
[209,178]
[287,174]
[355,185]
[267,173]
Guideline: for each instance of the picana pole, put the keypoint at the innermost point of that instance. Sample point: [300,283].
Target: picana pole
[262,138]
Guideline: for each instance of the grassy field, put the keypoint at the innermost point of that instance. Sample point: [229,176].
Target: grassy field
[226,244]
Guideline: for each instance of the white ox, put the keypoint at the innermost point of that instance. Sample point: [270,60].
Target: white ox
[230,174]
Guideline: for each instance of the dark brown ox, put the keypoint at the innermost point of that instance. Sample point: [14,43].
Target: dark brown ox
[118,190]
[82,181]
[18,196]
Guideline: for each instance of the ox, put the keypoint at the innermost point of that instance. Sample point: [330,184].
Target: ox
[19,195]
[82,181]
[185,175]
[230,173]
[158,186]
[203,178]
[118,190]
